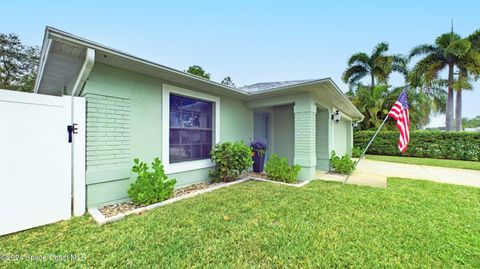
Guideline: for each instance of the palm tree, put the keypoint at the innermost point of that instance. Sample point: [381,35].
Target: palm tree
[375,103]
[469,66]
[377,66]
[371,103]
[434,89]
[462,83]
[443,54]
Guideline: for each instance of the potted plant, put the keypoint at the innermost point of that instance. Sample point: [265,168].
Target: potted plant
[258,155]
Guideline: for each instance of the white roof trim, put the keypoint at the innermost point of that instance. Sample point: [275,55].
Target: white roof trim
[53,33]
[47,42]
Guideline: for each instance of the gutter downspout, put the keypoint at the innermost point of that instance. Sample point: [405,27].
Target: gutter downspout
[78,188]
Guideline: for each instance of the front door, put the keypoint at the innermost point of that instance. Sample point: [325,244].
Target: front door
[261,129]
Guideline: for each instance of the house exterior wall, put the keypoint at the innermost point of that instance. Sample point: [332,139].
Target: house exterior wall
[124,121]
[304,129]
[340,137]
[283,131]
[332,137]
[349,137]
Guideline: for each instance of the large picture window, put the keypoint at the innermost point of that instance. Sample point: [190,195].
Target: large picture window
[190,129]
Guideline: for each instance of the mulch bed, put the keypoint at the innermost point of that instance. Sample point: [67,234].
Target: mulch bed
[115,209]
[263,175]
[253,174]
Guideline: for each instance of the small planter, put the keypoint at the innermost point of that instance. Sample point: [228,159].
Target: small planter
[258,161]
[258,155]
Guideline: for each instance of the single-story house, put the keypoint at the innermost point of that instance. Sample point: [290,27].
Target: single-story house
[140,109]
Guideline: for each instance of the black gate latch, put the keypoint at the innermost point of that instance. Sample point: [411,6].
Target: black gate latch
[71,129]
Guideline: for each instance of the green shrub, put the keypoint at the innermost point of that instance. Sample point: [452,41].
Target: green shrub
[151,186]
[426,144]
[278,169]
[356,152]
[231,159]
[343,165]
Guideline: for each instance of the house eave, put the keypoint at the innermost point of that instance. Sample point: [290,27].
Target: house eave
[124,60]
[205,84]
[312,86]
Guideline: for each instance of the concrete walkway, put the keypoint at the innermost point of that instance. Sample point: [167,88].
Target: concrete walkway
[375,173]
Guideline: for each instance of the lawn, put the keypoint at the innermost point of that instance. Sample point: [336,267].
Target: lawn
[427,161]
[262,225]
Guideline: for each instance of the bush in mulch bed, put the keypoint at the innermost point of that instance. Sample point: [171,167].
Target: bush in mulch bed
[151,186]
[278,169]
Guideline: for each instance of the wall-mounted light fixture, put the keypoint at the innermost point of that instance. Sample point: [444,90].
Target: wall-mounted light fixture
[336,117]
[354,124]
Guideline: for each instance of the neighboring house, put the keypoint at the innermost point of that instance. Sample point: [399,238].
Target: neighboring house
[140,109]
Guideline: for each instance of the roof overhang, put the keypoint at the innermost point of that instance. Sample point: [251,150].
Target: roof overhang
[60,49]
[63,55]
[324,91]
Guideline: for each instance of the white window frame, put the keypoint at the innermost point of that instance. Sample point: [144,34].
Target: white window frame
[171,168]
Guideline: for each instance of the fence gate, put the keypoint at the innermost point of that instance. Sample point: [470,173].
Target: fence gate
[35,160]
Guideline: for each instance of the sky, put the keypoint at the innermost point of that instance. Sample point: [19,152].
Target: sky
[251,41]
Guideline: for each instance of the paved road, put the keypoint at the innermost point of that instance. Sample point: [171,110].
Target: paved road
[375,173]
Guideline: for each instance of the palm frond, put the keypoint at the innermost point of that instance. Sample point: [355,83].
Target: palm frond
[474,38]
[424,66]
[444,40]
[399,64]
[422,49]
[354,73]
[433,70]
[379,49]
[360,58]
[463,81]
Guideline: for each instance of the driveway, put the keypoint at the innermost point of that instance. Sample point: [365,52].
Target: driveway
[375,173]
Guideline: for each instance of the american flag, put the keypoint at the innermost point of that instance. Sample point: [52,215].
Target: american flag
[399,112]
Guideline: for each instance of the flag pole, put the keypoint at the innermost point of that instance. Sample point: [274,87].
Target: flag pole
[368,145]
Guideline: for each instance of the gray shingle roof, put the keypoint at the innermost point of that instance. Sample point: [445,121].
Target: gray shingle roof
[262,86]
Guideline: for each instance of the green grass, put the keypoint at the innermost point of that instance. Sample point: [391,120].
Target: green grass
[427,161]
[262,225]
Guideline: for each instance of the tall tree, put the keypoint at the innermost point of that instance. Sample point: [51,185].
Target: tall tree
[198,71]
[435,89]
[18,63]
[374,103]
[448,52]
[444,54]
[460,84]
[377,66]
[228,82]
[469,67]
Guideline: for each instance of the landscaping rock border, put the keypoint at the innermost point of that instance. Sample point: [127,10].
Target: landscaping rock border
[101,219]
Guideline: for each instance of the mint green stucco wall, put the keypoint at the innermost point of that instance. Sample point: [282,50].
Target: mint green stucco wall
[283,132]
[340,138]
[124,114]
[302,113]
[332,137]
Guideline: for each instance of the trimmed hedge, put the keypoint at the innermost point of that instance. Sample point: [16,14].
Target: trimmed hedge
[426,144]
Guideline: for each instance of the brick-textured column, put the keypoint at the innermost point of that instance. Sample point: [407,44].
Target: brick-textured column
[305,149]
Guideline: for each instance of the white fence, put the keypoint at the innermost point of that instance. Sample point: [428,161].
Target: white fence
[36,168]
